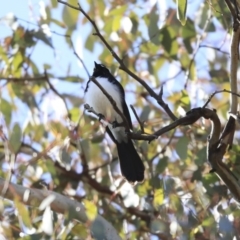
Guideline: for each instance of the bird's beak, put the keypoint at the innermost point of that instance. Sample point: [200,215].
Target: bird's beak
[95,64]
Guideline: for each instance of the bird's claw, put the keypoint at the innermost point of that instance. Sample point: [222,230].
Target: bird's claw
[115,124]
[100,117]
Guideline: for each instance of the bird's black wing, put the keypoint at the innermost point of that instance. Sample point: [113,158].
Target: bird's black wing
[124,105]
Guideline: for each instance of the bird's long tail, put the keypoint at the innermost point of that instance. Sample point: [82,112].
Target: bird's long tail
[131,164]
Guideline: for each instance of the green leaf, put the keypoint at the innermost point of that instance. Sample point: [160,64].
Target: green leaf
[58,23]
[97,138]
[142,189]
[65,157]
[168,39]
[35,236]
[28,37]
[89,44]
[3,55]
[152,21]
[79,230]
[48,166]
[75,113]
[158,197]
[204,15]
[54,3]
[181,11]
[6,109]
[175,203]
[15,138]
[74,79]
[150,66]
[189,31]
[116,23]
[201,156]
[209,221]
[185,100]
[189,34]
[182,147]
[118,11]
[23,213]
[155,182]
[17,64]
[47,66]
[70,17]
[162,164]
[135,23]
[91,209]
[29,98]
[157,65]
[43,37]
[34,68]
[145,113]
[85,148]
[158,225]
[193,72]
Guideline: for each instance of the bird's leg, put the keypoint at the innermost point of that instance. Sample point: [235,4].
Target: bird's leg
[100,117]
[115,124]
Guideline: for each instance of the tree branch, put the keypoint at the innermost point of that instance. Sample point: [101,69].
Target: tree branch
[23,79]
[141,124]
[220,91]
[61,204]
[233,69]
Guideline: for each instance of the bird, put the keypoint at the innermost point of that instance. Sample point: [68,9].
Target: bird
[131,165]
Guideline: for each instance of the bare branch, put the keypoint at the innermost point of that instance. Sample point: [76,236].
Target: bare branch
[23,79]
[233,69]
[141,124]
[215,48]
[220,91]
[57,93]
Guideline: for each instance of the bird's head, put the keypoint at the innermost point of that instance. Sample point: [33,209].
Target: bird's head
[100,70]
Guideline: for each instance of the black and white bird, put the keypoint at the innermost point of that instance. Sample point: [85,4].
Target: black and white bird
[132,167]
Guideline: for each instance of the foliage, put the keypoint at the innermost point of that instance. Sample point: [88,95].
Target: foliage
[48,142]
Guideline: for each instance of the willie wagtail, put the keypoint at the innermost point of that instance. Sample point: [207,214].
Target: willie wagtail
[132,167]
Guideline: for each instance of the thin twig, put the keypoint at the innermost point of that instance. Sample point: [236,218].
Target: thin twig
[220,91]
[141,124]
[78,57]
[199,39]
[215,48]
[57,93]
[23,79]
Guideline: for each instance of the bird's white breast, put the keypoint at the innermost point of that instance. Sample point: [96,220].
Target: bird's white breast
[100,103]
